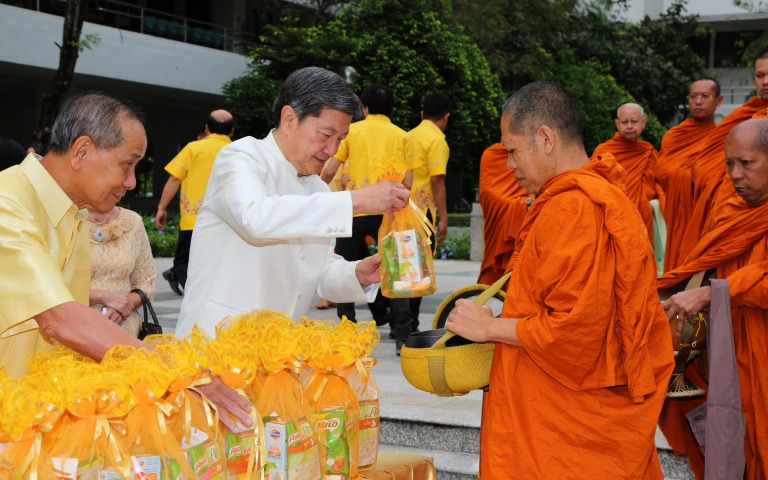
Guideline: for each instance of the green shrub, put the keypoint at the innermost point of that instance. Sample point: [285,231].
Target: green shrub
[163,243]
[455,247]
[459,219]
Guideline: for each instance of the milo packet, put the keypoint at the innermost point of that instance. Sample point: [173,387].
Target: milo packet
[335,459]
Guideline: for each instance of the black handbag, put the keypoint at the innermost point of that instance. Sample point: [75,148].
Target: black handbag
[147,327]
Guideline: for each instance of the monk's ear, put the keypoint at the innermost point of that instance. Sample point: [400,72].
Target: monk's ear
[79,150]
[546,138]
[616,122]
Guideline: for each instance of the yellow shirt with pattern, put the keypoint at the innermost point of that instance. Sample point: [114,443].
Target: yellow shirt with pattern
[429,157]
[193,167]
[373,146]
[45,254]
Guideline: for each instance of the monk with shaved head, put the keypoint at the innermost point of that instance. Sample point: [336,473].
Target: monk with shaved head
[583,353]
[736,248]
[636,156]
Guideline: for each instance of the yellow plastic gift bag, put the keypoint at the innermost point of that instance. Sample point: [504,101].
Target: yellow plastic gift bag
[291,445]
[407,268]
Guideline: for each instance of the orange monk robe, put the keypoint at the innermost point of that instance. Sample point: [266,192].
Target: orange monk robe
[679,148]
[639,159]
[503,204]
[737,246]
[709,171]
[581,396]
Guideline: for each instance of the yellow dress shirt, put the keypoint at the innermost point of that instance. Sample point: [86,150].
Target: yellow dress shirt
[429,157]
[45,254]
[372,147]
[193,166]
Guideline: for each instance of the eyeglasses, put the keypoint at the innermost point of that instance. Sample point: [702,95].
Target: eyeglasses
[703,96]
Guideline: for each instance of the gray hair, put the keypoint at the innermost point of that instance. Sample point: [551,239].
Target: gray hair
[92,114]
[642,112]
[310,90]
[545,103]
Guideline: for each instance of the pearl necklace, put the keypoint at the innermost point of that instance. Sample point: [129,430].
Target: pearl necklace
[99,234]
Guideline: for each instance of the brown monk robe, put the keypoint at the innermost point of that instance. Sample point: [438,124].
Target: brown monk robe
[708,170]
[637,157]
[504,208]
[737,246]
[583,352]
[679,148]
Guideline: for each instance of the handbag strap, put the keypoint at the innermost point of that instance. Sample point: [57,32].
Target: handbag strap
[147,306]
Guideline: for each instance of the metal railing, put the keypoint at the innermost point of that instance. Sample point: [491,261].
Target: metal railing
[127,16]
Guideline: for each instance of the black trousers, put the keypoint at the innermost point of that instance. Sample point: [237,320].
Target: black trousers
[181,260]
[355,248]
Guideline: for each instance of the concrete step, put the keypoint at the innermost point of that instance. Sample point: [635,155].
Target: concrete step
[455,448]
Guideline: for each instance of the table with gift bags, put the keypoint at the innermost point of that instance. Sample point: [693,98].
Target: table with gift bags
[140,412]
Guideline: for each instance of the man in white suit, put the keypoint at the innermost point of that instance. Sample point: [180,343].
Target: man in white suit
[265,235]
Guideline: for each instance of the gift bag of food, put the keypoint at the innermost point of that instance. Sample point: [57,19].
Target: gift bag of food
[335,413]
[31,409]
[358,375]
[291,445]
[148,437]
[407,267]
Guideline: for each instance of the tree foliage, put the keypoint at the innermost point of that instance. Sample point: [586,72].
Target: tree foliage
[70,48]
[415,47]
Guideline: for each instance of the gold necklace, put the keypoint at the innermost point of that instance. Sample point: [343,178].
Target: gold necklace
[98,235]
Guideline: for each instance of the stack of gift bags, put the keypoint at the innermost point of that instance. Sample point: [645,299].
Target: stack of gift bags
[141,413]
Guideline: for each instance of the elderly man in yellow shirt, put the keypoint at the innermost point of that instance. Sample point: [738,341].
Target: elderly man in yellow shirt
[429,158]
[373,146]
[96,142]
[190,171]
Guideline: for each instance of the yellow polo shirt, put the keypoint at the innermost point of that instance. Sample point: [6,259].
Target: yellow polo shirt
[193,166]
[372,147]
[45,254]
[429,157]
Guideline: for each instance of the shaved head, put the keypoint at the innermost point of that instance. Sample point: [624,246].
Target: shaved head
[544,103]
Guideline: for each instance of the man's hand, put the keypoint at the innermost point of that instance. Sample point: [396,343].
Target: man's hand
[230,404]
[160,218]
[685,305]
[384,197]
[469,320]
[367,270]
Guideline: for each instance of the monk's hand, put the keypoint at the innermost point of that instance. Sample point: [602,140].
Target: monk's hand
[367,270]
[469,320]
[685,305]
[234,409]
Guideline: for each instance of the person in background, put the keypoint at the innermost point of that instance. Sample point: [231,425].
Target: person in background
[11,153]
[429,158]
[637,157]
[189,171]
[96,142]
[121,260]
[504,203]
[679,148]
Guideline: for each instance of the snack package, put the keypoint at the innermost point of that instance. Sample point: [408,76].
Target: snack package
[363,384]
[407,267]
[335,418]
[291,450]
